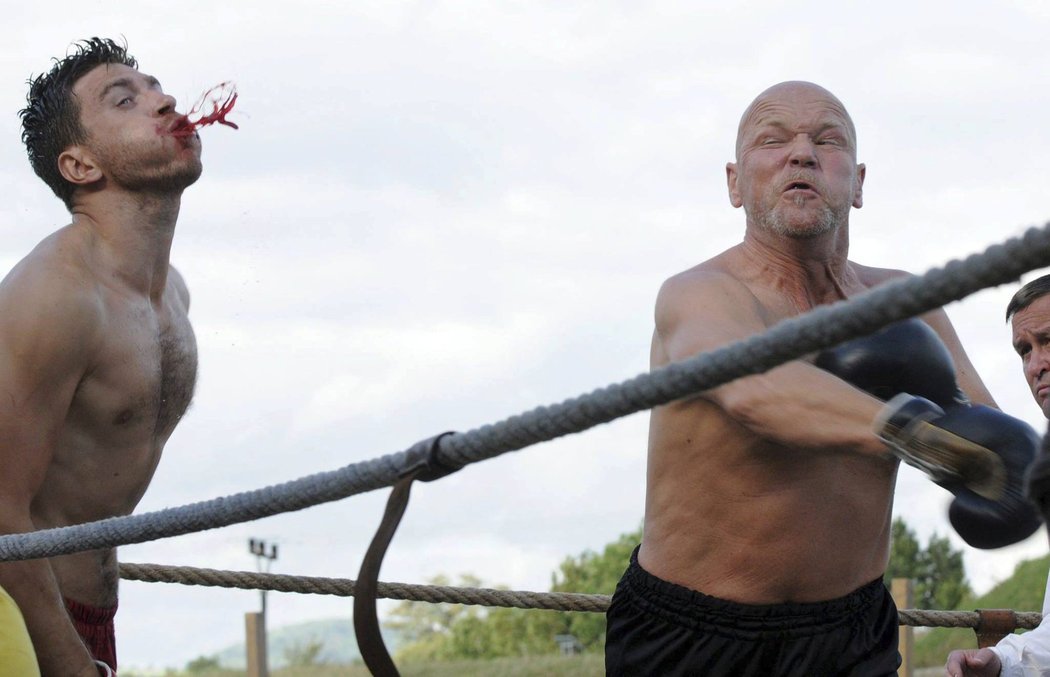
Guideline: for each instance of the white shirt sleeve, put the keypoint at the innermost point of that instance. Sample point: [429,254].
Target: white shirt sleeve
[1027,655]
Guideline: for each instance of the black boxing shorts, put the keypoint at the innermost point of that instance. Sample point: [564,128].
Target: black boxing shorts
[658,628]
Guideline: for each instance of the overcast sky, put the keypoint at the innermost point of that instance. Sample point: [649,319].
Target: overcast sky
[436,215]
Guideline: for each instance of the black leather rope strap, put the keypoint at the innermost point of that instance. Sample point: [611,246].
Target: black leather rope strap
[425,466]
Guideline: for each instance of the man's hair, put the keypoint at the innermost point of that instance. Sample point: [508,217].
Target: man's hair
[1027,294]
[51,118]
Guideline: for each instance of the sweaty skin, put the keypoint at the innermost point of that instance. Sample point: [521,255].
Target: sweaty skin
[97,358]
[773,488]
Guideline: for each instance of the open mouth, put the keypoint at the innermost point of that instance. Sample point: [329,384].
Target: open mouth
[798,185]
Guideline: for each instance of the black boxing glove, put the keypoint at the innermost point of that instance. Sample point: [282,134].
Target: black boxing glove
[978,453]
[1037,480]
[904,357]
[959,449]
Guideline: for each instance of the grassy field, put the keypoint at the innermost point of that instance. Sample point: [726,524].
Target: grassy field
[1023,591]
[592,665]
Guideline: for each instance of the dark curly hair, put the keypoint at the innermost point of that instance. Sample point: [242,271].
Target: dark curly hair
[51,118]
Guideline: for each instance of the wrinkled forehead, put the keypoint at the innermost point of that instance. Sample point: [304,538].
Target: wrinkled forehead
[791,104]
[1035,316]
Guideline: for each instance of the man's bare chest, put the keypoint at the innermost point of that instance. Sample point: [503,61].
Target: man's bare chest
[142,378]
[779,304]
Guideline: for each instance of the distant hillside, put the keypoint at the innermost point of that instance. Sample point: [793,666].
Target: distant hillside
[1023,591]
[336,636]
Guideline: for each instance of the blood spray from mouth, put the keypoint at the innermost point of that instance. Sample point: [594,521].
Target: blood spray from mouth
[220,98]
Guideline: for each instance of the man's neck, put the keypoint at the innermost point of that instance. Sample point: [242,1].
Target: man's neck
[135,232]
[811,271]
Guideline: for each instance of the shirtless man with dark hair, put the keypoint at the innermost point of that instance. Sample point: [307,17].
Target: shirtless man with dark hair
[97,358]
[768,499]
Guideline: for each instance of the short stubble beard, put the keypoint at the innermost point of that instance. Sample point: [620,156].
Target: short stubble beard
[774,220]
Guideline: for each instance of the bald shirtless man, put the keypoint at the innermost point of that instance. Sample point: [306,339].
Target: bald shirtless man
[768,499]
[97,358]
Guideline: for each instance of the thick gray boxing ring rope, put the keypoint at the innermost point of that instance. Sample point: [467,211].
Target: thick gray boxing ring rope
[821,328]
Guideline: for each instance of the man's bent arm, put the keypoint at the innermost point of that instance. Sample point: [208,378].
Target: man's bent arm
[795,404]
[42,343]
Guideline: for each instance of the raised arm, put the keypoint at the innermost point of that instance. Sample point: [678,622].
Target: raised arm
[45,334]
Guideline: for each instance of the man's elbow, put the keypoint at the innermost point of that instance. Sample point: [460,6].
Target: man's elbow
[744,406]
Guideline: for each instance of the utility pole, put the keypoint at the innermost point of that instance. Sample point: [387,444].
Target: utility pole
[255,623]
[263,561]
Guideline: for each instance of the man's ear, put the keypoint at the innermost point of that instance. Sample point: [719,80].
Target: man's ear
[78,166]
[734,192]
[858,194]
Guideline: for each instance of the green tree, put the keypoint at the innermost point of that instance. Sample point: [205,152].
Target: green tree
[945,584]
[904,552]
[505,632]
[202,664]
[427,628]
[937,569]
[597,574]
[453,631]
[425,650]
[304,654]
[418,620]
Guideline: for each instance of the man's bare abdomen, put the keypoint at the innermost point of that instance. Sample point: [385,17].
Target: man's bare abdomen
[741,519]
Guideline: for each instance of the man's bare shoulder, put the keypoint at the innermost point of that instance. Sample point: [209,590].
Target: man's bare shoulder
[706,287]
[49,290]
[871,276]
[702,308]
[59,262]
